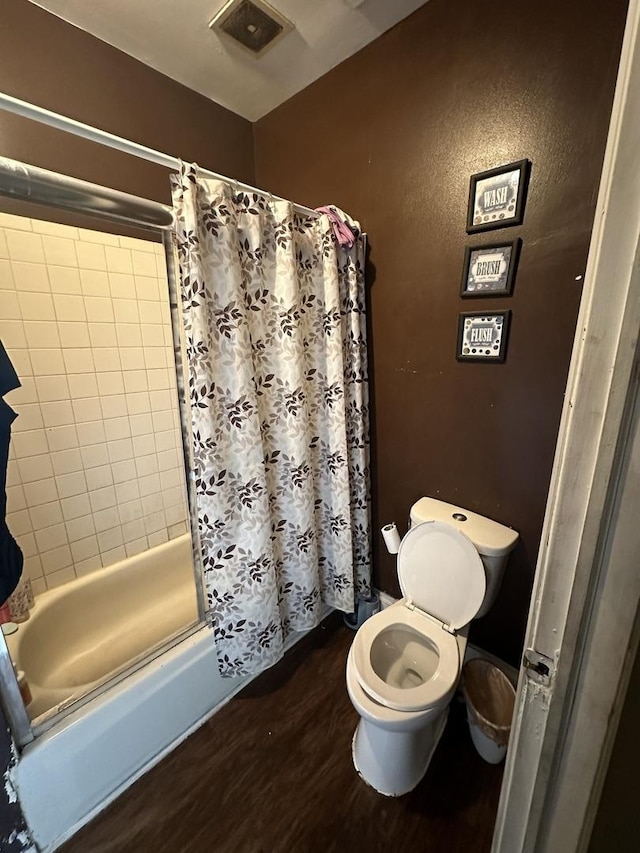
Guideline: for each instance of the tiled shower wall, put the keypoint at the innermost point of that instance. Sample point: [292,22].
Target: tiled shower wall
[95,470]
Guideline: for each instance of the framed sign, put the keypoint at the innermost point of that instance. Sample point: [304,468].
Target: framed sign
[482,336]
[496,197]
[490,270]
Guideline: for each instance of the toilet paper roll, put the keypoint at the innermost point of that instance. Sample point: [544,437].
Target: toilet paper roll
[391,538]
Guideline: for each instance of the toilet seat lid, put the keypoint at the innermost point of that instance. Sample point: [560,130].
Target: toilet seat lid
[441,572]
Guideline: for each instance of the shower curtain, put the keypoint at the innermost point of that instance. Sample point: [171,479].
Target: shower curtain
[274,320]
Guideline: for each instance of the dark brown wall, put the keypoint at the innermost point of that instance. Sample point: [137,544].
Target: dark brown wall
[392,136]
[50,63]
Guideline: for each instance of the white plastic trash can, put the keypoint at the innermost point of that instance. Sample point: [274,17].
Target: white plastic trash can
[490,698]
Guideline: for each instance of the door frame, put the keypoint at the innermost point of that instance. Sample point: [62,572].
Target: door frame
[584,602]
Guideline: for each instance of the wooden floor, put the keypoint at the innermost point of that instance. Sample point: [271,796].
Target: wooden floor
[272,773]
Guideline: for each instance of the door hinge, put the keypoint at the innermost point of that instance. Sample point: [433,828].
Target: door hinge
[538,666]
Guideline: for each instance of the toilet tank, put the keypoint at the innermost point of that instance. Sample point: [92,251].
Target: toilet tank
[493,541]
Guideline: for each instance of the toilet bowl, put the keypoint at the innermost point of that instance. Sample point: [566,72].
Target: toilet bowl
[405,662]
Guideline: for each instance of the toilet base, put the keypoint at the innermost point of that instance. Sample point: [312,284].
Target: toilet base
[393,762]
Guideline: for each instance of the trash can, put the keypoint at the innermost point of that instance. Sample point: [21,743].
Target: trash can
[365,607]
[490,698]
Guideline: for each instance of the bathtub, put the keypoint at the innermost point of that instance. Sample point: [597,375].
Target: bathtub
[84,633]
[82,761]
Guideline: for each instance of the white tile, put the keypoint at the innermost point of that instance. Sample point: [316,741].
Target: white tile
[154,522]
[131,510]
[126,311]
[141,425]
[47,362]
[129,334]
[122,286]
[60,251]
[152,503]
[170,478]
[57,414]
[91,433]
[29,417]
[143,264]
[110,383]
[135,380]
[103,335]
[133,530]
[90,236]
[99,309]
[78,360]
[149,484]
[36,306]
[173,497]
[105,519]
[167,335]
[117,428]
[90,256]
[35,468]
[99,477]
[12,334]
[52,388]
[110,539]
[15,499]
[87,409]
[159,537]
[39,586]
[127,491]
[40,492]
[64,280]
[41,334]
[19,523]
[115,555]
[9,307]
[33,567]
[94,456]
[13,473]
[132,358]
[74,335]
[150,312]
[138,404]
[10,220]
[75,507]
[24,246]
[54,229]
[62,438]
[86,567]
[79,528]
[162,421]
[176,530]
[21,360]
[53,561]
[7,281]
[120,450]
[146,465]
[113,406]
[53,580]
[31,277]
[51,537]
[102,498]
[45,515]
[137,244]
[26,393]
[136,547]
[82,385]
[71,484]
[94,283]
[158,380]
[152,336]
[69,307]
[66,462]
[147,287]
[121,471]
[155,357]
[32,442]
[118,260]
[82,549]
[106,359]
[26,540]
[4,249]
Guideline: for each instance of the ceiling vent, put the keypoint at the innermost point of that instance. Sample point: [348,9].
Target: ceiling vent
[253,24]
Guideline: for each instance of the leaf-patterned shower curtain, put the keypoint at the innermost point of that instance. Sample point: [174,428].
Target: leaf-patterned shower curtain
[274,320]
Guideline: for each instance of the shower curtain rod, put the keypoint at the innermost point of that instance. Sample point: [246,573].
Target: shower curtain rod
[119,143]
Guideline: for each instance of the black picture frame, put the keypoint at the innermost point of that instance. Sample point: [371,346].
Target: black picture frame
[497,197]
[492,338]
[498,275]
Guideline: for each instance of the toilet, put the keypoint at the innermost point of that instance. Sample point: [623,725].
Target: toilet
[404,663]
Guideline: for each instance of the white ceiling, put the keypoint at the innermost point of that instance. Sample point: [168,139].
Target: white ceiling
[173,37]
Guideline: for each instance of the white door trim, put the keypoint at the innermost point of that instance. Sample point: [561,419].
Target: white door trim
[578,517]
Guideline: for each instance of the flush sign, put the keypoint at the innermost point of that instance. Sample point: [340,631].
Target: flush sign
[252,24]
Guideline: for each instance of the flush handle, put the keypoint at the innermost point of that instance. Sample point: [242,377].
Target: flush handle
[538,667]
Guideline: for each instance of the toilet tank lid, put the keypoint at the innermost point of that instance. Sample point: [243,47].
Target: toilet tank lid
[490,538]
